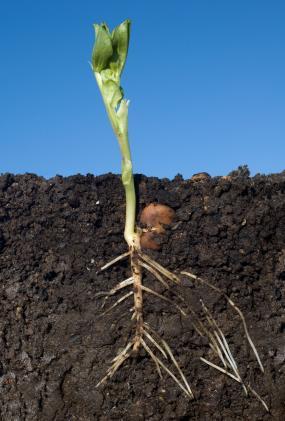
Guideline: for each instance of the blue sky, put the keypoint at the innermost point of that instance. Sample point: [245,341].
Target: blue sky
[205,79]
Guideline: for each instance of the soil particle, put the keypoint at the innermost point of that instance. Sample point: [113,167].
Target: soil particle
[55,344]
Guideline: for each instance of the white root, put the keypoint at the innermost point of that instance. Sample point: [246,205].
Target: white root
[121,285]
[117,362]
[220,369]
[120,300]
[231,363]
[190,393]
[154,358]
[169,352]
[258,397]
[117,259]
[151,291]
[219,291]
[171,276]
[159,362]
[154,342]
[114,290]
[154,273]
[217,340]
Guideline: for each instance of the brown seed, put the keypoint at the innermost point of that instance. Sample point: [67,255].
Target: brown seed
[148,241]
[155,216]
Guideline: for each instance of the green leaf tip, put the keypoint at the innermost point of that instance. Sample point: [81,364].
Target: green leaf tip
[103,50]
[110,49]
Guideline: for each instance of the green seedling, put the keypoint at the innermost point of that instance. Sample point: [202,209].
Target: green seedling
[108,61]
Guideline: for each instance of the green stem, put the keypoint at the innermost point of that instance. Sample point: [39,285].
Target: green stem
[130,234]
[128,183]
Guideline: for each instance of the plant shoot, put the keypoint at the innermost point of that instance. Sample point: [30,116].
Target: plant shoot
[108,61]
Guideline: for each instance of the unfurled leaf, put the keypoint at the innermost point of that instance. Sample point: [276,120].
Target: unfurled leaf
[120,44]
[103,50]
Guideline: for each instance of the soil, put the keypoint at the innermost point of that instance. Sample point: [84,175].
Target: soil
[55,345]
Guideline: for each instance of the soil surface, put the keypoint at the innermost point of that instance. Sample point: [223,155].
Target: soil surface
[55,344]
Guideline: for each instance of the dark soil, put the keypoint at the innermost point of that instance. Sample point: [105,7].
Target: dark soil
[54,345]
